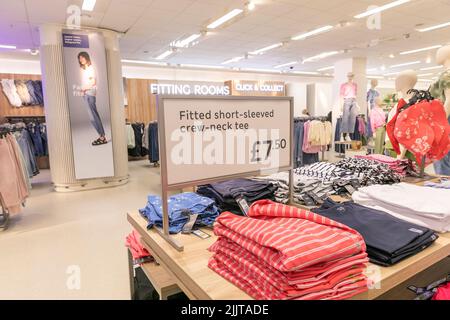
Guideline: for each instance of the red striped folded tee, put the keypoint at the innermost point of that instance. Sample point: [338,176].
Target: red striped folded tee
[283,252]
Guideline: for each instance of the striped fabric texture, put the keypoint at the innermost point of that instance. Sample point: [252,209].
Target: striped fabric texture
[283,252]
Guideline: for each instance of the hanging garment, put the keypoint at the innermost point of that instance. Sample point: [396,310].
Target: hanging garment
[35,131]
[145,140]
[10,90]
[30,88]
[405,201]
[131,143]
[13,186]
[361,126]
[29,154]
[37,84]
[380,140]
[307,147]
[139,150]
[388,239]
[377,118]
[283,252]
[153,152]
[372,94]
[349,116]
[422,128]
[181,206]
[301,158]
[22,90]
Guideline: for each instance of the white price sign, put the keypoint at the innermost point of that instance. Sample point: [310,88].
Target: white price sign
[206,139]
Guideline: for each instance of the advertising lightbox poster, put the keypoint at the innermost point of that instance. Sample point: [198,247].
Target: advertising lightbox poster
[88,97]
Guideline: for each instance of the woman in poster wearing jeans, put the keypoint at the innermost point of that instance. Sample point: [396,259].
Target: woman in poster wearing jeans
[89,90]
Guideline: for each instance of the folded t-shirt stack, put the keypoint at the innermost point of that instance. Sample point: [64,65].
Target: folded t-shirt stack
[227,192]
[388,239]
[304,187]
[406,201]
[402,167]
[369,172]
[283,252]
[181,206]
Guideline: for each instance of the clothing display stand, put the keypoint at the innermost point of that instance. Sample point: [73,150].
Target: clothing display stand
[166,187]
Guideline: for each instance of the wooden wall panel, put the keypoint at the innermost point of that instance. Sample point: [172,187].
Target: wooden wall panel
[6,109]
[141,104]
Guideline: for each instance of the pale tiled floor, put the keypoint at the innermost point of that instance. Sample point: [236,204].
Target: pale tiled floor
[83,229]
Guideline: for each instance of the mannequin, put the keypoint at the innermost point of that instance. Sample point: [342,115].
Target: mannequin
[443,58]
[372,94]
[349,107]
[405,81]
[441,90]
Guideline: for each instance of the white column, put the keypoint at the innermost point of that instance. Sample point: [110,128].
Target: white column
[57,114]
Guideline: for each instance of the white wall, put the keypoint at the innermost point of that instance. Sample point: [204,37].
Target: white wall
[20,66]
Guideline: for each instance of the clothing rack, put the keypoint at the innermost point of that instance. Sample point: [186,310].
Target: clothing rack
[4,216]
[14,119]
[311,118]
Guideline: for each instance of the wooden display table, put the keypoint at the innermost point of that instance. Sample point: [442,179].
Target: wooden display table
[189,269]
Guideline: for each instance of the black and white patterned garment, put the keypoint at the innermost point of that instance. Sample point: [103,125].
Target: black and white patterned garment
[324,171]
[369,172]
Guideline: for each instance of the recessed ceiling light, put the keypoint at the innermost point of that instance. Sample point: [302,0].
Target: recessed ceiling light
[312,33]
[230,15]
[391,74]
[185,42]
[425,74]
[306,72]
[383,67]
[201,66]
[420,50]
[439,26]
[235,59]
[88,5]
[372,70]
[392,56]
[380,9]
[273,46]
[286,64]
[428,61]
[326,68]
[405,64]
[374,77]
[144,62]
[5,46]
[431,68]
[261,70]
[251,6]
[320,56]
[164,55]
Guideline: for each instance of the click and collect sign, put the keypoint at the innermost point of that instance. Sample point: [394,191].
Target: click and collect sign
[206,139]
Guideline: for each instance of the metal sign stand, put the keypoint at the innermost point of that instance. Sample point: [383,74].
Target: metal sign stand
[165,187]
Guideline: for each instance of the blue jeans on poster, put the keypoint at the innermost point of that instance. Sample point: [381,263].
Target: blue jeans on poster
[93,113]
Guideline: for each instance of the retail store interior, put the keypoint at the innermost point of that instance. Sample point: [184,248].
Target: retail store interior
[358,91]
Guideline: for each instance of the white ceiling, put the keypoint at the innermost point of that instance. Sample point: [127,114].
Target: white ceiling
[151,25]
